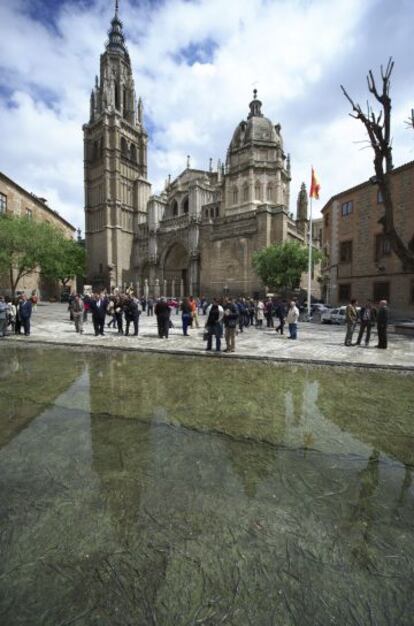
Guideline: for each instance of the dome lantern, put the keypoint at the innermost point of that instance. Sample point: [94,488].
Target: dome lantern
[255,106]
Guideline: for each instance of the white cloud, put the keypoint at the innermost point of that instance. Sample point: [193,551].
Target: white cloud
[295,52]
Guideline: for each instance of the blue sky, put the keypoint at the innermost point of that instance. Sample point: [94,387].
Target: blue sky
[195,65]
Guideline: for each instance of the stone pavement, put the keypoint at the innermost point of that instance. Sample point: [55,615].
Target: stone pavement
[317,343]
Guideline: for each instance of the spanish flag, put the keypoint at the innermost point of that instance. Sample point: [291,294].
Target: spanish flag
[315,186]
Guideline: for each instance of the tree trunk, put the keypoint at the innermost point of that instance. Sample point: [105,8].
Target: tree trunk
[378,128]
[397,245]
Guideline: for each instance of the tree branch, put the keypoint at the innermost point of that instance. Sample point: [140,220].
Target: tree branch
[378,127]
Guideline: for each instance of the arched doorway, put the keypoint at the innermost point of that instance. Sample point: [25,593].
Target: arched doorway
[176,266]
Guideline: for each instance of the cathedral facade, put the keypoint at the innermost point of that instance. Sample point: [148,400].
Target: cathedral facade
[197,236]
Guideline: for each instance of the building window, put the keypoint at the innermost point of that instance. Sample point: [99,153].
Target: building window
[246,192]
[124,147]
[258,191]
[345,252]
[125,103]
[382,246]
[381,291]
[3,203]
[344,293]
[185,205]
[133,153]
[116,93]
[28,214]
[380,199]
[269,192]
[347,208]
[326,220]
[235,195]
[174,208]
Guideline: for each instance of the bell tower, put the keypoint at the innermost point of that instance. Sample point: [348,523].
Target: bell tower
[115,166]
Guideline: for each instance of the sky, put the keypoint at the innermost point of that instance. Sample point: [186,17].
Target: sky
[196,63]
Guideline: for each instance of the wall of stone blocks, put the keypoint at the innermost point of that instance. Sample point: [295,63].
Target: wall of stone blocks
[362,226]
[20,202]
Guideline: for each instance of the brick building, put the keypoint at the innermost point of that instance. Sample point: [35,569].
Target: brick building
[359,261]
[15,200]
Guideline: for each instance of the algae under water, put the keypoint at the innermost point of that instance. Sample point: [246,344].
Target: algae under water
[154,489]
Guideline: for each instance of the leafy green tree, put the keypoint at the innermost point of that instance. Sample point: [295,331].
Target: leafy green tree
[281,265]
[27,246]
[22,247]
[64,261]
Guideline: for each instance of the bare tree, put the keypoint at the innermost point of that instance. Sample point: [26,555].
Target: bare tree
[410,121]
[378,127]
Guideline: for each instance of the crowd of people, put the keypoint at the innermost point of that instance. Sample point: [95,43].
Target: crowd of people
[16,314]
[225,316]
[367,316]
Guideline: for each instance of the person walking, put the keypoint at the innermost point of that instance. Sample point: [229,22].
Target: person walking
[163,311]
[4,309]
[25,312]
[194,312]
[382,325]
[214,328]
[250,310]
[241,310]
[186,312]
[281,316]
[11,314]
[231,315]
[77,310]
[71,300]
[86,306]
[259,314]
[119,311]
[269,313]
[292,319]
[132,312]
[18,322]
[150,307]
[99,305]
[111,312]
[367,317]
[351,318]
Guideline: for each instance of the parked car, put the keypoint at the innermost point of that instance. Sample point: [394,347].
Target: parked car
[335,316]
[319,307]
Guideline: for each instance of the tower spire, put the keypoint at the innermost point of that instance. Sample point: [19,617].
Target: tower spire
[116,41]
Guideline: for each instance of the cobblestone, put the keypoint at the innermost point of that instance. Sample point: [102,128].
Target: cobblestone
[316,343]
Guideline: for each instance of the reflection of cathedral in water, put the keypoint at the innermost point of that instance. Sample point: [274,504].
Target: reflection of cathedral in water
[200,233]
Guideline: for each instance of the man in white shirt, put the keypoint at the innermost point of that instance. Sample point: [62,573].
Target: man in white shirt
[292,320]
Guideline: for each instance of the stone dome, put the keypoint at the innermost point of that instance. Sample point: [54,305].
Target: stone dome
[256,129]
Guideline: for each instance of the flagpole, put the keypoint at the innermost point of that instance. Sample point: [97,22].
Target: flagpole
[310,259]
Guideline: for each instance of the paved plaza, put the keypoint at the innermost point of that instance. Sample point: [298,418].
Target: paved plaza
[317,342]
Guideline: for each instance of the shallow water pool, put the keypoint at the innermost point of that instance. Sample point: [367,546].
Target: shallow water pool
[163,490]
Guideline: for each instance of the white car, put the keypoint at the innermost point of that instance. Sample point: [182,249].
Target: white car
[335,316]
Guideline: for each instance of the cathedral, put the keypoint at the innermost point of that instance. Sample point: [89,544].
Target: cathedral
[197,236]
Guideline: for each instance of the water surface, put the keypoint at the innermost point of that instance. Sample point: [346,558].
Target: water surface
[154,489]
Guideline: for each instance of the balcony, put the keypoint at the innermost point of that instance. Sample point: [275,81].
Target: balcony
[175,223]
